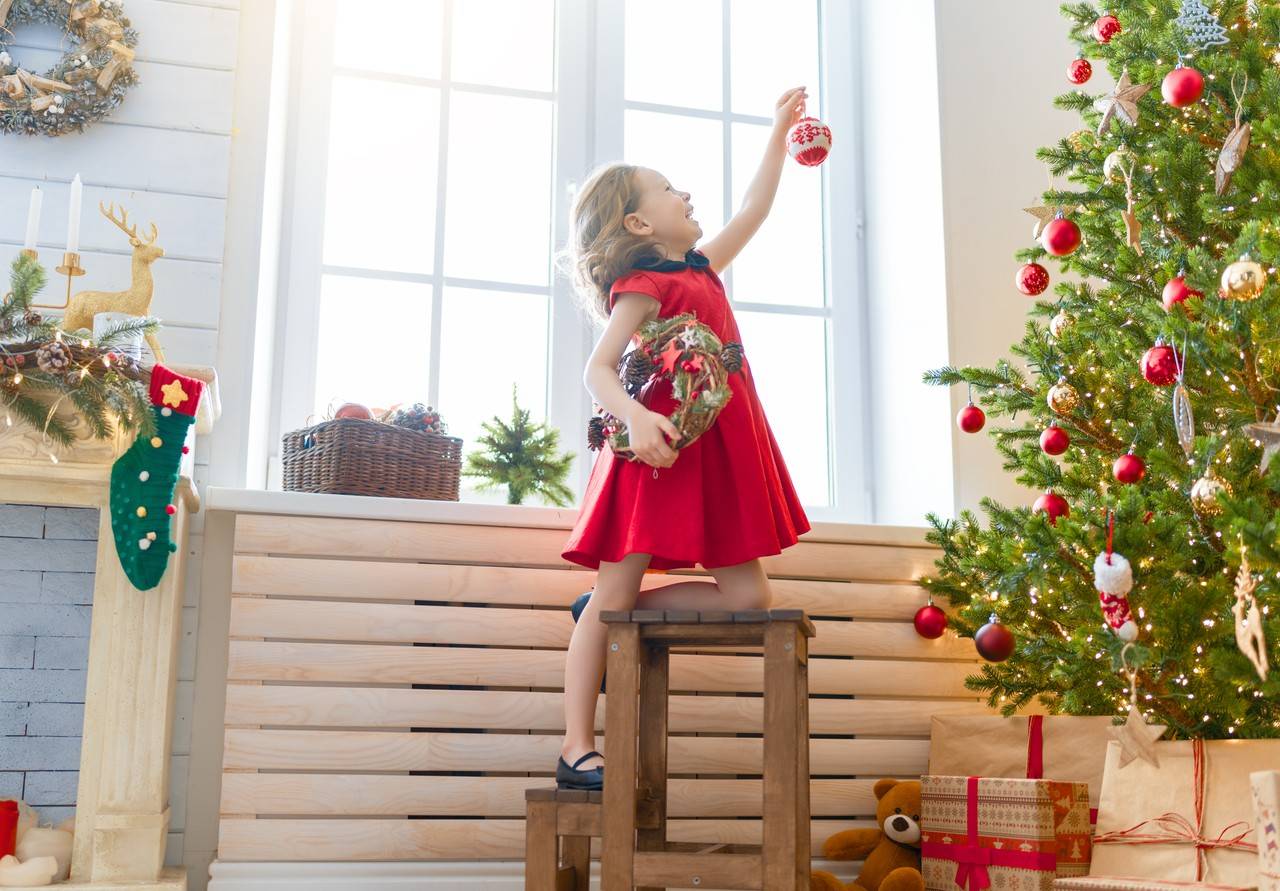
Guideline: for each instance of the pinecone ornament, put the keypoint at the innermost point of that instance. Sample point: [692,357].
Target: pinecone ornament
[637,369]
[53,358]
[595,433]
[731,356]
[31,317]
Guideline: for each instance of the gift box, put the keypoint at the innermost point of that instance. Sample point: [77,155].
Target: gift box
[1070,749]
[1266,815]
[1128,883]
[1190,819]
[1015,835]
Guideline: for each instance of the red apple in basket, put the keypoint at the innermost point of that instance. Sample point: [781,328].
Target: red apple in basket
[353,410]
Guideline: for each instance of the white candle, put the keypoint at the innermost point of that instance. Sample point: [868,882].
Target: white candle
[33,219]
[73,219]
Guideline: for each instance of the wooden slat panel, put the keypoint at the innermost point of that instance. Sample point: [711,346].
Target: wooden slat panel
[531,586]
[328,620]
[346,750]
[324,795]
[368,839]
[443,542]
[382,664]
[305,706]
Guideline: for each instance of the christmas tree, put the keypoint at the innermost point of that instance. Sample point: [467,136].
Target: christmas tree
[1142,405]
[523,456]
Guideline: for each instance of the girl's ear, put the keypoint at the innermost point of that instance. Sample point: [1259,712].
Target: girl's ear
[634,224]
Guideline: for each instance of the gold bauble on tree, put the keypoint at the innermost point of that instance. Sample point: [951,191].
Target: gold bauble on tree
[1061,322]
[1243,280]
[1205,492]
[1063,398]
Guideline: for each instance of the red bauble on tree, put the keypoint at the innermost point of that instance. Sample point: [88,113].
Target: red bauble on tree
[1160,365]
[1079,71]
[1054,440]
[994,641]
[1061,237]
[1182,86]
[971,419]
[1176,291]
[930,621]
[1129,468]
[1032,279]
[1106,27]
[1052,505]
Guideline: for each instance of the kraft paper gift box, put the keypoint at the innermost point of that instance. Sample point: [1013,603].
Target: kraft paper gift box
[1188,820]
[1121,883]
[1061,747]
[1010,834]
[1266,814]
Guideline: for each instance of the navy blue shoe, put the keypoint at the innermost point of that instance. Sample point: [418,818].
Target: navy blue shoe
[571,778]
[577,608]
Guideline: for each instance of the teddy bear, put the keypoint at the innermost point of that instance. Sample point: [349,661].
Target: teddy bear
[891,851]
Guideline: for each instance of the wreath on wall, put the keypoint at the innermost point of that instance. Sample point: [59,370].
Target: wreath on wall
[688,353]
[86,84]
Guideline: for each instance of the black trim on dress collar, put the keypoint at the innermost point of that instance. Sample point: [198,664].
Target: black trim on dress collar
[694,258]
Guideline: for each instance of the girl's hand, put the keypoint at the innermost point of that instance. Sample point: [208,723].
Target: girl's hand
[647,440]
[790,108]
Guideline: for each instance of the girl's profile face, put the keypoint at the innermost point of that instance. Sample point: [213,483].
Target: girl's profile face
[662,212]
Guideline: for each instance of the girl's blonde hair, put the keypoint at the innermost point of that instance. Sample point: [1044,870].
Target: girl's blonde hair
[600,249]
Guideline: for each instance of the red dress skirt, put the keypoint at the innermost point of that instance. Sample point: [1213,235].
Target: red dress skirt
[728,497]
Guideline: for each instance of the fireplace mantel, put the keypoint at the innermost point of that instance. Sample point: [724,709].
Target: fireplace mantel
[122,803]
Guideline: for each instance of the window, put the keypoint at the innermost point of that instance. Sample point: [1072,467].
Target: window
[437,145]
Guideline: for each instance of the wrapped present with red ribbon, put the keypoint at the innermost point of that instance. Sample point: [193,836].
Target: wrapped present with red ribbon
[1187,818]
[1067,748]
[1266,814]
[1011,834]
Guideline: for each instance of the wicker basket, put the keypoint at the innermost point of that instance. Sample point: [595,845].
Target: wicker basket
[348,456]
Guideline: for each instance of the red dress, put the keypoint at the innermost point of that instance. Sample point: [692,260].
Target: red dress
[728,497]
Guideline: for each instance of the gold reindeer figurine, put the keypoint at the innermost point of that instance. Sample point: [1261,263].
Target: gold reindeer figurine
[135,301]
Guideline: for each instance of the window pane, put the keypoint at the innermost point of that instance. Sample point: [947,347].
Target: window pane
[498,204]
[673,53]
[393,36]
[772,49]
[689,152]
[787,355]
[505,43]
[372,222]
[356,311]
[783,262]
[476,378]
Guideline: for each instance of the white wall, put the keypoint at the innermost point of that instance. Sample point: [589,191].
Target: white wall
[164,156]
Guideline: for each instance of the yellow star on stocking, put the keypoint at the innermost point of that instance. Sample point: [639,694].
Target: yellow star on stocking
[1137,738]
[174,394]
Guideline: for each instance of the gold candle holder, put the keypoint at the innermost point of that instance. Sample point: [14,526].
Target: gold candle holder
[70,268]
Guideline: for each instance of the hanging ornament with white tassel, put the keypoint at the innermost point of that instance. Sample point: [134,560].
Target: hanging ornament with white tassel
[1113,577]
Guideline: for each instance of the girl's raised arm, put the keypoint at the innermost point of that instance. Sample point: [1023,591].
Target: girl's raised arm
[759,196]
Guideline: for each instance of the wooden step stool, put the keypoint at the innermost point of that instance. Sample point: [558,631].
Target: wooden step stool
[638,658]
[559,826]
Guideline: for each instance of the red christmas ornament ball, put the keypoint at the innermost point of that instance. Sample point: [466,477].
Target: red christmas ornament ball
[1032,279]
[994,641]
[1182,87]
[971,419]
[353,410]
[1054,440]
[1129,468]
[1176,291]
[1159,366]
[1052,505]
[1079,71]
[1105,28]
[1060,237]
[930,622]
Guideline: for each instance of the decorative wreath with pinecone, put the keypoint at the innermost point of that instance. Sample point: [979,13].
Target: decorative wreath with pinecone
[689,353]
[85,85]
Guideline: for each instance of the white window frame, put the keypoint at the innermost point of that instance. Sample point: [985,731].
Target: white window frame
[589,112]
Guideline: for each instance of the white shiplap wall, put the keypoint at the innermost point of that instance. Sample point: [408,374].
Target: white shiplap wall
[164,156]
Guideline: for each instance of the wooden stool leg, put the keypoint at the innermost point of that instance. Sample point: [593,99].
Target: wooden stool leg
[654,683]
[540,860]
[617,865]
[781,756]
[804,837]
[577,853]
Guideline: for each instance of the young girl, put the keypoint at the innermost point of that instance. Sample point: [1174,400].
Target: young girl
[728,500]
